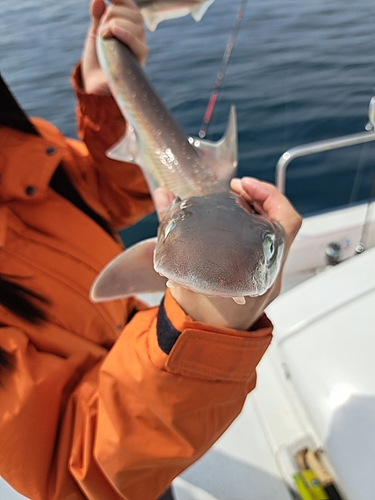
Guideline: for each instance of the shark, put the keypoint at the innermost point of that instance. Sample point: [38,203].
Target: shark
[210,240]
[156,11]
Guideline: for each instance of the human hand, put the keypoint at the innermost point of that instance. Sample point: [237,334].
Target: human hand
[218,311]
[123,20]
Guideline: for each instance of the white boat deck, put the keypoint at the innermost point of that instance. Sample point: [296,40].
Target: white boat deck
[309,373]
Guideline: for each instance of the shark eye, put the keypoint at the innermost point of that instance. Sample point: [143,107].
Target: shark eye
[269,246]
[169,227]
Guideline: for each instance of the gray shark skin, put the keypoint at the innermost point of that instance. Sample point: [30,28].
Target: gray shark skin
[224,248]
[154,141]
[210,240]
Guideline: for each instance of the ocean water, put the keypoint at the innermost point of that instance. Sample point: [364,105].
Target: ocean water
[299,72]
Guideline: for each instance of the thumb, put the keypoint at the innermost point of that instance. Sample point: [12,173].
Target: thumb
[268,200]
[97,10]
[162,199]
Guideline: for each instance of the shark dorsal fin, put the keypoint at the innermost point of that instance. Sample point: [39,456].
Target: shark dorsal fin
[225,150]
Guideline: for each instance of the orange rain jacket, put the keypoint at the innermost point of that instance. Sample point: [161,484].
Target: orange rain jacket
[94,408]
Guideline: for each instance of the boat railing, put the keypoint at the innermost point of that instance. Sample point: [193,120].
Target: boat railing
[317,147]
[325,145]
[329,145]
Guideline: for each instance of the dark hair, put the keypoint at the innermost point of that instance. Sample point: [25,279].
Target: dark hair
[6,361]
[11,113]
[19,299]
[24,303]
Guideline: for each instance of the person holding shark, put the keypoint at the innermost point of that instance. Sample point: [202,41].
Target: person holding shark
[107,400]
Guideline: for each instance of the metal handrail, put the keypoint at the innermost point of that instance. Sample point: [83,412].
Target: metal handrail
[317,147]
[326,145]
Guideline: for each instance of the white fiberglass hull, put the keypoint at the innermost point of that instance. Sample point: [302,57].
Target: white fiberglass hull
[315,384]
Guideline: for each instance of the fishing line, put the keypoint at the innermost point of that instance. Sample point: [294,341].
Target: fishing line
[220,76]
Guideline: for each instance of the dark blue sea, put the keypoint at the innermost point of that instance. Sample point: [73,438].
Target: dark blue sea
[301,71]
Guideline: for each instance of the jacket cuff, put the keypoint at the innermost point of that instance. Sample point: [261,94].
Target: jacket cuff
[98,108]
[200,350]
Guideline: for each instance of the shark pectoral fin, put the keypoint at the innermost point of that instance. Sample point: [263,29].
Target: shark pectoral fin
[154,13]
[124,149]
[129,273]
[225,150]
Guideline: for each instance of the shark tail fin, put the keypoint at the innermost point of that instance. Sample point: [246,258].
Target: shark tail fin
[154,13]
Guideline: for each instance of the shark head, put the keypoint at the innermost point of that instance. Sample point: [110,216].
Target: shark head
[217,245]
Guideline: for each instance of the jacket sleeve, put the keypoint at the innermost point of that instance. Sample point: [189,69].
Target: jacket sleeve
[83,422]
[119,186]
